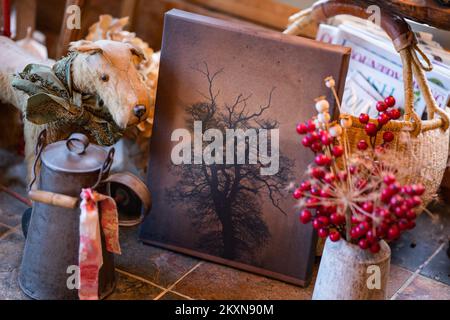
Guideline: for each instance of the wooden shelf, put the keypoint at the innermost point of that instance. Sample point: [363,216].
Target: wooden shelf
[429,12]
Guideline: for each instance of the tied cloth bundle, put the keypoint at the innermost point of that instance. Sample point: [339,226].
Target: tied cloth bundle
[90,251]
[53,101]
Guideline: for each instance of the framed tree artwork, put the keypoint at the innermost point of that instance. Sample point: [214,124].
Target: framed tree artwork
[224,151]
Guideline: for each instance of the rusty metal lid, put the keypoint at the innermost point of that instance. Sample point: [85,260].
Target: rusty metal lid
[74,155]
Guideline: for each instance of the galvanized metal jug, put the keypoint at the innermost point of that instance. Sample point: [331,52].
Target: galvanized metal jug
[51,250]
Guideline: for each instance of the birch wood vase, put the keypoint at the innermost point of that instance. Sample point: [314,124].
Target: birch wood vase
[347,272]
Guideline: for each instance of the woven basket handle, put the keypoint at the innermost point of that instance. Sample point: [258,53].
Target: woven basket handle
[404,42]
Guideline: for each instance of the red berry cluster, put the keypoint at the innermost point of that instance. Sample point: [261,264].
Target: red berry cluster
[320,141]
[375,220]
[381,208]
[317,139]
[386,113]
[387,219]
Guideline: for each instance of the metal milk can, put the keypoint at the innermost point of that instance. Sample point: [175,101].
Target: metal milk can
[51,249]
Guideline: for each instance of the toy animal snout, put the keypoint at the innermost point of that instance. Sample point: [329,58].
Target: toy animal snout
[140,111]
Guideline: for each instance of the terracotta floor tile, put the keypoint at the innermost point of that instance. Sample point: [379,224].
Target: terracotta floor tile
[11,210]
[156,265]
[212,281]
[439,267]
[129,288]
[12,175]
[423,288]
[10,258]
[3,229]
[172,296]
[417,245]
[9,286]
[13,172]
[398,276]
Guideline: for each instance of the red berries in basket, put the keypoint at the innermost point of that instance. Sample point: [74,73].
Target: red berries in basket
[355,195]
[386,111]
[371,129]
[383,118]
[362,145]
[364,118]
[388,136]
[394,114]
[386,114]
[382,106]
[390,101]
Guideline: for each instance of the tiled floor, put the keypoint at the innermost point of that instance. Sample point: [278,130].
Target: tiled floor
[420,266]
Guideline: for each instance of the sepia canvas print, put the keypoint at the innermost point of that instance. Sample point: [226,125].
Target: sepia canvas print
[224,152]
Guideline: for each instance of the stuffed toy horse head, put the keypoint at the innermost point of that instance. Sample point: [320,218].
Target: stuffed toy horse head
[96,89]
[108,69]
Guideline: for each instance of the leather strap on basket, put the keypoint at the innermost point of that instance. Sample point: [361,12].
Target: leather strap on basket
[404,42]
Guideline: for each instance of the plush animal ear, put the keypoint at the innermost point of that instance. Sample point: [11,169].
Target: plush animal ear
[84,46]
[137,52]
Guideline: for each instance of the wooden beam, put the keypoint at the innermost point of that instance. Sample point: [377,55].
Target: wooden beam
[6,17]
[67,35]
[190,7]
[265,12]
[128,9]
[424,11]
[25,17]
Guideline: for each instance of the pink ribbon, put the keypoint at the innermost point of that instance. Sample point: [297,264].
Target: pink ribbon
[90,256]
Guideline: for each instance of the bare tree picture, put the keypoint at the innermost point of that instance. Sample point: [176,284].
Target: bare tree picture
[229,202]
[224,201]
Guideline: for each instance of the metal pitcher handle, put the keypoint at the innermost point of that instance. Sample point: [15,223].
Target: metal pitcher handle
[42,138]
[104,170]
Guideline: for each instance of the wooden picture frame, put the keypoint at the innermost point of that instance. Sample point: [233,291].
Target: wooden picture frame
[221,75]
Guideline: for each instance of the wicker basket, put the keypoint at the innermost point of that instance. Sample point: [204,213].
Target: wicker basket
[421,145]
